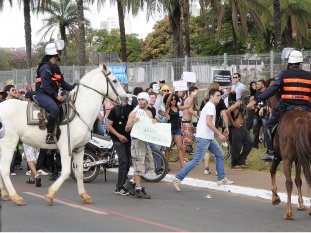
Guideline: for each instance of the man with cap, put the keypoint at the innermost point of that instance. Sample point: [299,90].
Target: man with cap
[50,80]
[142,158]
[159,104]
[239,135]
[294,85]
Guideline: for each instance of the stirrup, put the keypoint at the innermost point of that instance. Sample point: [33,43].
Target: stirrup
[50,138]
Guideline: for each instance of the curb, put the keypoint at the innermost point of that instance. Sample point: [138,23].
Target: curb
[252,192]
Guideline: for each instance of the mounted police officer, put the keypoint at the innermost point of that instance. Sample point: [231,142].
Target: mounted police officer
[294,85]
[48,81]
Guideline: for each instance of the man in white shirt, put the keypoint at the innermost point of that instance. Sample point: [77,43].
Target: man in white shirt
[205,140]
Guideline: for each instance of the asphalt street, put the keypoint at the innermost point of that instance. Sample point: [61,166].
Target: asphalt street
[193,209]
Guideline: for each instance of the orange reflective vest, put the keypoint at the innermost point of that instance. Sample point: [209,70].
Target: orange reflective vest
[296,89]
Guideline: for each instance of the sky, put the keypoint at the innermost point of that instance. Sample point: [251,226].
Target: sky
[12,24]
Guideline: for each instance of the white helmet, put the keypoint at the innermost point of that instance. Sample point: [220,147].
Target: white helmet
[295,56]
[50,49]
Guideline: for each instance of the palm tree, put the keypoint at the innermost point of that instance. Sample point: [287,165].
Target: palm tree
[62,16]
[240,12]
[80,15]
[277,25]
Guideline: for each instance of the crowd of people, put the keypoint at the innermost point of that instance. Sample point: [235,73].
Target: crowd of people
[237,115]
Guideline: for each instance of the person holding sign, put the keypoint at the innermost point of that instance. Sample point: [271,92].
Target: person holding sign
[142,158]
[172,110]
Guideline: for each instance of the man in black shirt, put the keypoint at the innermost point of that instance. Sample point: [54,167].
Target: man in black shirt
[117,120]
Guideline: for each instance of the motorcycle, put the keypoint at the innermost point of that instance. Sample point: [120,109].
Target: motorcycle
[100,155]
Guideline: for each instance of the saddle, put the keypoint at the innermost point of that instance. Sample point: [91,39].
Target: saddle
[36,115]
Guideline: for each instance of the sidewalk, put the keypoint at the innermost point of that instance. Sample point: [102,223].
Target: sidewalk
[246,182]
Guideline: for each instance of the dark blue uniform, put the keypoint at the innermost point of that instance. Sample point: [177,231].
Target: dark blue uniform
[51,81]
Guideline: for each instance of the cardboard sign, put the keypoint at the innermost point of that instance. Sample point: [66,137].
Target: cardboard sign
[222,77]
[120,73]
[180,85]
[156,88]
[189,77]
[145,130]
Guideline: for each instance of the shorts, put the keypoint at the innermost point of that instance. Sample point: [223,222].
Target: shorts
[176,132]
[31,153]
[142,158]
[188,131]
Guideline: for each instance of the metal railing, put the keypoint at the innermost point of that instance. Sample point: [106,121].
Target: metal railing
[251,66]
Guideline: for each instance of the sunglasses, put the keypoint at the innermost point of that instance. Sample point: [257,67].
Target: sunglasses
[235,76]
[166,90]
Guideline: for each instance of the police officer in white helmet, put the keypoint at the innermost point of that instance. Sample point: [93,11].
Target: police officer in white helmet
[294,85]
[48,81]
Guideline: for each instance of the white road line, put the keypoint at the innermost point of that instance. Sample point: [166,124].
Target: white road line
[69,204]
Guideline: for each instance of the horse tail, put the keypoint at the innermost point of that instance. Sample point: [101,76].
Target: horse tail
[303,146]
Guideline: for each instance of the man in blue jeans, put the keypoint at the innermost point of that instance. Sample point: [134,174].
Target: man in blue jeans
[205,140]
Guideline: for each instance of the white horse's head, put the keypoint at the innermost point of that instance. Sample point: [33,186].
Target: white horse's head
[102,81]
[115,91]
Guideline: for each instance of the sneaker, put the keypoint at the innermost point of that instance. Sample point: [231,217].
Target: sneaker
[224,181]
[124,192]
[176,183]
[130,187]
[236,168]
[207,171]
[141,193]
[243,165]
[42,172]
[38,181]
[31,180]
[28,173]
[268,158]
[117,191]
[13,174]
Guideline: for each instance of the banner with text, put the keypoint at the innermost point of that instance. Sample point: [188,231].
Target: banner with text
[145,130]
[222,77]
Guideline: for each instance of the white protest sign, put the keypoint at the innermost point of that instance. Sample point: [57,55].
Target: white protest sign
[189,77]
[145,130]
[180,85]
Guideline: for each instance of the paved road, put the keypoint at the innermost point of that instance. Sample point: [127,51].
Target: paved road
[168,210]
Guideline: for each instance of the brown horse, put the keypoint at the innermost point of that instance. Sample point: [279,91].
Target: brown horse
[292,144]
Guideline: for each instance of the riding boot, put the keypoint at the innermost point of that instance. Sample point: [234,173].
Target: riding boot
[270,153]
[50,137]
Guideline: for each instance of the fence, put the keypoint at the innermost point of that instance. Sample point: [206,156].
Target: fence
[251,67]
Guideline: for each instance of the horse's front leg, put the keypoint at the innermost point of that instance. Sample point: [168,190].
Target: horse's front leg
[5,162]
[298,183]
[287,167]
[78,170]
[65,160]
[275,197]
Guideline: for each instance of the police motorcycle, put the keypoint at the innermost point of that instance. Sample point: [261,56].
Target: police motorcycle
[100,155]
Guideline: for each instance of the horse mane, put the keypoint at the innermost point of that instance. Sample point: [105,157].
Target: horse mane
[273,101]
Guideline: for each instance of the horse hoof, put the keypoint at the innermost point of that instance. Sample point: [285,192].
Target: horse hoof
[86,198]
[301,208]
[18,200]
[288,217]
[276,201]
[49,199]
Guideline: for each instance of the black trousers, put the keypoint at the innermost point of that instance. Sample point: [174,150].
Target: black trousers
[124,156]
[240,140]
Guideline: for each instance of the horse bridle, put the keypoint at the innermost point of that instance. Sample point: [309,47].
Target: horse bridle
[109,83]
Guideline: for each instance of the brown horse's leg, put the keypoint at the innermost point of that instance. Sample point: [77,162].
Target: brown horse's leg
[275,198]
[287,167]
[298,184]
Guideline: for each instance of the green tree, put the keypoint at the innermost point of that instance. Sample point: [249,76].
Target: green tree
[277,25]
[81,26]
[4,60]
[62,15]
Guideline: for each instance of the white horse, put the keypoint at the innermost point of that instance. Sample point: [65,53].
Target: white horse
[89,94]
